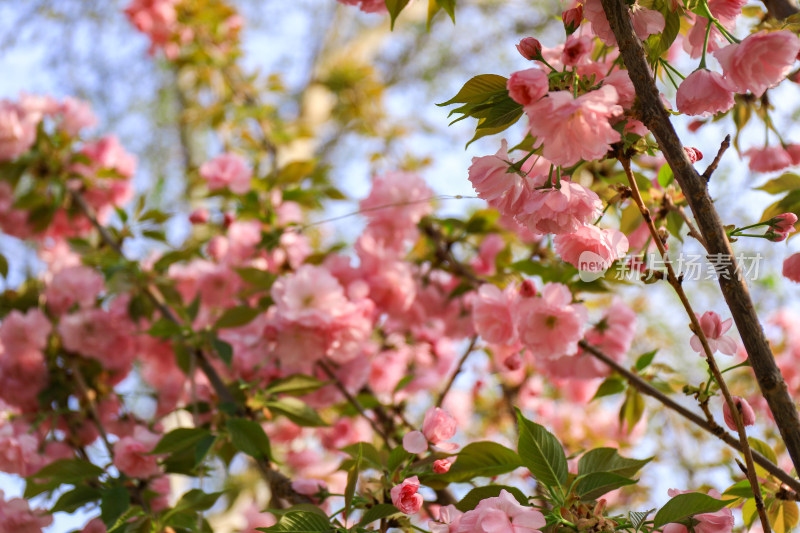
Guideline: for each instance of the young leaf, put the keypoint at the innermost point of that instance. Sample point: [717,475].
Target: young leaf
[480,459]
[236,317]
[300,522]
[395,7]
[609,460]
[352,480]
[541,453]
[296,384]
[594,485]
[113,503]
[297,411]
[609,386]
[376,512]
[180,439]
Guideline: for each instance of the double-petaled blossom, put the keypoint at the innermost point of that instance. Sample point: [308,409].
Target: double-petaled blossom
[590,248]
[73,285]
[501,514]
[527,86]
[493,313]
[714,329]
[745,411]
[132,454]
[762,60]
[16,516]
[23,372]
[551,325]
[559,210]
[490,177]
[704,93]
[405,496]
[571,129]
[17,130]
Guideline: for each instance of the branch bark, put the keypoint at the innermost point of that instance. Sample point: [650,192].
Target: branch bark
[734,288]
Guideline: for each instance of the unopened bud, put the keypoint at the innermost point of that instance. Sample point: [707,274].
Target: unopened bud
[530,48]
[694,154]
[199,216]
[572,19]
[527,289]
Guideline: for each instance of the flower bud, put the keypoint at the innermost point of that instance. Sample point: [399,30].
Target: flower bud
[747,413]
[781,226]
[530,48]
[441,466]
[527,289]
[572,18]
[694,154]
[199,216]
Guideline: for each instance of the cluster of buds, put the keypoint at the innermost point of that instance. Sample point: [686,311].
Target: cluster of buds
[589,519]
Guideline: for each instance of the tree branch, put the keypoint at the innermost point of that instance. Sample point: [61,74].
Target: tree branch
[694,186]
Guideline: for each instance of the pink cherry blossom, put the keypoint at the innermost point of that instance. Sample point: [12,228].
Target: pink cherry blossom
[714,330]
[718,522]
[17,130]
[590,248]
[768,159]
[791,268]
[492,313]
[571,129]
[73,285]
[415,442]
[762,60]
[746,412]
[438,425]
[75,116]
[621,81]
[646,22]
[501,514]
[157,19]
[16,516]
[551,326]
[227,170]
[527,86]
[447,521]
[577,50]
[19,448]
[561,210]
[501,189]
[106,154]
[405,497]
[255,518]
[704,93]
[131,454]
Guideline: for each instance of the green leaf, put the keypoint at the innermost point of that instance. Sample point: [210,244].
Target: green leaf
[61,472]
[236,317]
[541,453]
[783,183]
[397,457]
[164,329]
[609,460]
[657,44]
[645,359]
[783,515]
[594,485]
[632,408]
[367,451]
[113,503]
[352,480]
[480,459]
[72,500]
[395,7]
[665,175]
[764,449]
[609,386]
[474,497]
[683,506]
[300,522]
[296,384]
[297,411]
[740,489]
[376,512]
[478,89]
[195,500]
[3,266]
[248,436]
[224,350]
[180,439]
[450,7]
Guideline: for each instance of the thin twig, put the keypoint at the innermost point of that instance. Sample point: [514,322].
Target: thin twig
[457,371]
[715,163]
[709,353]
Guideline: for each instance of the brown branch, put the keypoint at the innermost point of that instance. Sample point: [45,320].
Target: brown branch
[646,388]
[694,186]
[726,143]
[709,353]
[780,9]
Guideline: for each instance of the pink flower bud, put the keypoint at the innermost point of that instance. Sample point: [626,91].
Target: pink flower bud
[530,48]
[199,216]
[527,289]
[405,497]
[513,362]
[781,226]
[438,425]
[694,154]
[747,413]
[227,219]
[441,466]
[572,18]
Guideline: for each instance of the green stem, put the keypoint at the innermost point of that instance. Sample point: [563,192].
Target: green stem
[705,45]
